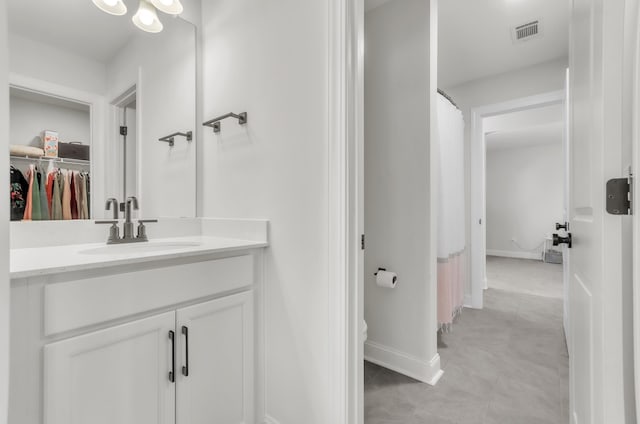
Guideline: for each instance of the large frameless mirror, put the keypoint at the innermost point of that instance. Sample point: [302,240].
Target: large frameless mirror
[100,109]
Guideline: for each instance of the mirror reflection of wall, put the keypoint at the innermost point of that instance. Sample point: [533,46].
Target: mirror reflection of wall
[72,67]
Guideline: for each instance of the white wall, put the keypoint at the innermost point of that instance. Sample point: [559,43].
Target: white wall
[163,69]
[270,59]
[538,79]
[524,198]
[4,217]
[29,118]
[53,64]
[401,321]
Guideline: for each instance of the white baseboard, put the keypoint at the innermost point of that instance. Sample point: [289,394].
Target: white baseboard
[537,256]
[468,301]
[427,372]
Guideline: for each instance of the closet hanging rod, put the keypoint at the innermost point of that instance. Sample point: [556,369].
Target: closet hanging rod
[215,122]
[59,160]
[171,137]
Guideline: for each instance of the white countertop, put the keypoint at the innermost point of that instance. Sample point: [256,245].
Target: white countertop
[31,262]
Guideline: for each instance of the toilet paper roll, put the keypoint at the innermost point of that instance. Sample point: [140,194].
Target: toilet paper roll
[386,279]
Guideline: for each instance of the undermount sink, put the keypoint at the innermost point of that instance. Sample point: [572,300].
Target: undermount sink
[143,247]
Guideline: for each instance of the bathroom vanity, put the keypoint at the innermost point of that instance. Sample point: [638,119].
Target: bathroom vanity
[153,332]
[147,333]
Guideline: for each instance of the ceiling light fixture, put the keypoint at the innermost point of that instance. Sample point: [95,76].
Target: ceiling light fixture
[146,18]
[171,7]
[112,7]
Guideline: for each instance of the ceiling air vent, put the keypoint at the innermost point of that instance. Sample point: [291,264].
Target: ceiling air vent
[526,31]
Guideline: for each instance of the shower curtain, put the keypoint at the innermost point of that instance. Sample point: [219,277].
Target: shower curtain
[451,213]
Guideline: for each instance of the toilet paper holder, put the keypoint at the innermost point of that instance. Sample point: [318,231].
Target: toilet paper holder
[379,269]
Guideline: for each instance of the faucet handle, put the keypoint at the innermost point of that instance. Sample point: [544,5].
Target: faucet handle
[114,231]
[142,230]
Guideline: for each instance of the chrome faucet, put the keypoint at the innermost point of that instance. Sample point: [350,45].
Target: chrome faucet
[112,202]
[132,202]
[114,231]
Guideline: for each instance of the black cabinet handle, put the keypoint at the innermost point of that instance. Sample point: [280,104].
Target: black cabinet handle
[185,368]
[172,373]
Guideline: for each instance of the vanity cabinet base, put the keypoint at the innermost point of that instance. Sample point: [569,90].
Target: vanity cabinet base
[118,371]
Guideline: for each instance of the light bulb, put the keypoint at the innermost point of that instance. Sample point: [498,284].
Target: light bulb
[112,7]
[146,18]
[171,7]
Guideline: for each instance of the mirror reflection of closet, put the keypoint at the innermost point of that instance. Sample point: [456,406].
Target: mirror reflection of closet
[65,125]
[82,74]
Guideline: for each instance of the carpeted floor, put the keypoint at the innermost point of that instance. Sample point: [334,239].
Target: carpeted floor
[525,276]
[505,364]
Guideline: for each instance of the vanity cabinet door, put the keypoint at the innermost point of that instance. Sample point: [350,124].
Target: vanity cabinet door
[215,376]
[118,375]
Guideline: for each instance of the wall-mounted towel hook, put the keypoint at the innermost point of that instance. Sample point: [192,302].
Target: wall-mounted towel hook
[171,137]
[215,122]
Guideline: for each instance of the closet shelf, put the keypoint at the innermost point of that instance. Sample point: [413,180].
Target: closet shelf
[56,160]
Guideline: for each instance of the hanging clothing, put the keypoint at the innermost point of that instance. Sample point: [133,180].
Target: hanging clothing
[36,212]
[88,182]
[18,192]
[83,195]
[74,194]
[66,196]
[51,194]
[29,206]
[51,177]
[56,198]
[44,203]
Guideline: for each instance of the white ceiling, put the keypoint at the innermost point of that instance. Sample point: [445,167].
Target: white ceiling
[544,125]
[77,26]
[475,37]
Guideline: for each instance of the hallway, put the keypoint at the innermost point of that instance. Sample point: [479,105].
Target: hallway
[504,364]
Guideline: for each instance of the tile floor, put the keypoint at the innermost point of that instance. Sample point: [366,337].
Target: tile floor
[505,364]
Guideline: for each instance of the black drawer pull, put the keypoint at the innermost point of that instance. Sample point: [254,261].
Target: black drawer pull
[172,373]
[185,368]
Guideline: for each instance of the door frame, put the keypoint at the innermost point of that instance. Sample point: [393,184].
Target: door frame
[477,243]
[345,139]
[635,147]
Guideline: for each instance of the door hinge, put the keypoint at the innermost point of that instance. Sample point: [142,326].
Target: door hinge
[362,242]
[123,130]
[619,196]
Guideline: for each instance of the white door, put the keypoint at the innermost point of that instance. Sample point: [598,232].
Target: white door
[215,362]
[118,375]
[597,360]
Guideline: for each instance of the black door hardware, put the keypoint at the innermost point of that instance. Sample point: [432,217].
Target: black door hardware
[185,368]
[568,240]
[172,373]
[619,196]
[562,227]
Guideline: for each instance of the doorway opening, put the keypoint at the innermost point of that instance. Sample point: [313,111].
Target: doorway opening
[524,197]
[124,150]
